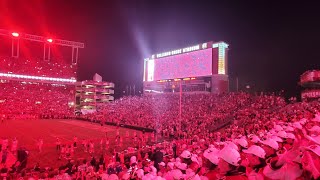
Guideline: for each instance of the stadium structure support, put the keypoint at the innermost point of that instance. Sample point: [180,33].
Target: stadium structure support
[91,94]
[33,72]
[47,42]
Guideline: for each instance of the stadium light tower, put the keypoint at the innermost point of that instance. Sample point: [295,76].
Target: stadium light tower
[17,37]
[47,49]
[50,40]
[15,34]
[15,44]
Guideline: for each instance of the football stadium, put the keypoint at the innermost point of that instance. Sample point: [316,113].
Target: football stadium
[183,120]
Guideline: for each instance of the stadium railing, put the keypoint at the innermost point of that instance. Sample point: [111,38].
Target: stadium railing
[121,125]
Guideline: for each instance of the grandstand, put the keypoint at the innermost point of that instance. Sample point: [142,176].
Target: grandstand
[32,85]
[217,135]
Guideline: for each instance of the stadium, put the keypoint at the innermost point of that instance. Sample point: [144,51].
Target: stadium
[186,124]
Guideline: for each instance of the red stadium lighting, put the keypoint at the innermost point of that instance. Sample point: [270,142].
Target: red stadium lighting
[37,77]
[50,40]
[15,34]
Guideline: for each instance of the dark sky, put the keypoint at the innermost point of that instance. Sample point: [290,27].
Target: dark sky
[271,43]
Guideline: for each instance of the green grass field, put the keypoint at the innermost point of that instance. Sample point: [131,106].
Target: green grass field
[28,132]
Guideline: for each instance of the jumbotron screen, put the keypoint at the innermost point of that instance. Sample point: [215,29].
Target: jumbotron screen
[191,64]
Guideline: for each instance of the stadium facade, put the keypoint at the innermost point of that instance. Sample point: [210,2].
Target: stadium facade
[37,74]
[202,67]
[91,94]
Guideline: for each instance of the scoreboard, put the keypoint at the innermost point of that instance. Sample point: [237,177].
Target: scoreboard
[201,60]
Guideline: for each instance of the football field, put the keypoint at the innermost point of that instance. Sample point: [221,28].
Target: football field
[28,133]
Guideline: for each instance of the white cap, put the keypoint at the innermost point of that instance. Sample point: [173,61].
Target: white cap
[272,131]
[177,164]
[177,174]
[256,150]
[278,128]
[186,154]
[255,139]
[133,159]
[194,158]
[148,176]
[159,178]
[113,177]
[104,176]
[314,148]
[162,164]
[204,178]
[261,134]
[297,125]
[282,134]
[276,138]
[212,155]
[140,173]
[182,166]
[171,165]
[230,155]
[125,176]
[210,150]
[289,128]
[242,142]
[184,146]
[153,170]
[317,118]
[190,175]
[303,121]
[315,139]
[315,129]
[271,143]
[219,143]
[291,136]
[231,145]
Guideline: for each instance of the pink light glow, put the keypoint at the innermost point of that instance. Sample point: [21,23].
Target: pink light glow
[15,34]
[192,64]
[50,40]
[37,77]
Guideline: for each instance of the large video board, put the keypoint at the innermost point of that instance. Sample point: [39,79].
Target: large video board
[196,61]
[192,64]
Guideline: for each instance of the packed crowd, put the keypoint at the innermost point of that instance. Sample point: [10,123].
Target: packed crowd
[266,139]
[32,100]
[33,67]
[199,112]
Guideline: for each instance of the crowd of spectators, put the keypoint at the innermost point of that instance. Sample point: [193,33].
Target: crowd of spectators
[34,67]
[24,100]
[263,138]
[267,138]
[199,112]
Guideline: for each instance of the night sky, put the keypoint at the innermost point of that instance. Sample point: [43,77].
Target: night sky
[271,43]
